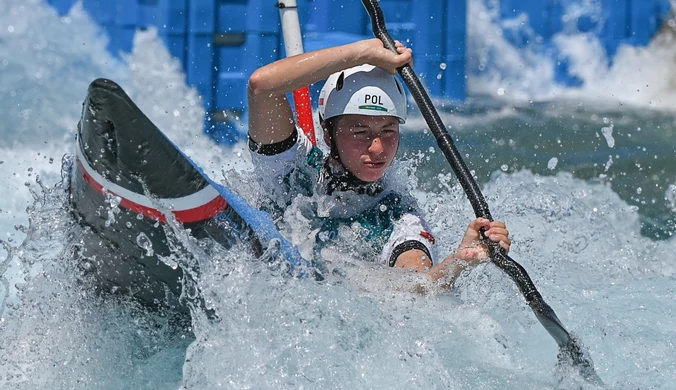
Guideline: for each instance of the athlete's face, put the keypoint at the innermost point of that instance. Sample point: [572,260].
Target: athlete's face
[367,144]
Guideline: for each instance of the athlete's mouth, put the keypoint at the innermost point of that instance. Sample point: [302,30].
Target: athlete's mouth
[375,164]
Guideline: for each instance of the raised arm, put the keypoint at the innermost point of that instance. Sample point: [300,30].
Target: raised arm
[270,115]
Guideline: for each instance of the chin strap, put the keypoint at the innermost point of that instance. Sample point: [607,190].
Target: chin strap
[333,176]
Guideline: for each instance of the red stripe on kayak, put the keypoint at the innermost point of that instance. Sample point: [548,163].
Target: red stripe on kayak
[205,211]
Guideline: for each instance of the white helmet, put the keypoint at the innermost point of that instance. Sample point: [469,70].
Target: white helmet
[362,90]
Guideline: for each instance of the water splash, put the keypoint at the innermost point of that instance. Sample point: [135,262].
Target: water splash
[608,135]
[580,242]
[637,76]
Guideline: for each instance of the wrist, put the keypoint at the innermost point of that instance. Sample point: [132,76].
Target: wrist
[363,52]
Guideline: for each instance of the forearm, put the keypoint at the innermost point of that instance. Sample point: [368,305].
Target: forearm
[449,270]
[295,72]
[418,261]
[270,116]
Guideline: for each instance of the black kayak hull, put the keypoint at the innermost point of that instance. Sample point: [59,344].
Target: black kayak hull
[126,181]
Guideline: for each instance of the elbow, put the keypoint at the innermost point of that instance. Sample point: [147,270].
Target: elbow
[256,84]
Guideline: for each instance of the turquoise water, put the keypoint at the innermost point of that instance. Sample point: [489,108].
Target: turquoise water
[629,149]
[584,178]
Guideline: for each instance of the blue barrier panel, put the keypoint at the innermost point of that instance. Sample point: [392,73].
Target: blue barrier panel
[201,16]
[456,28]
[177,45]
[339,16]
[231,76]
[612,22]
[199,65]
[398,11]
[247,37]
[400,20]
[147,14]
[102,11]
[615,24]
[121,38]
[535,9]
[429,42]
[263,16]
[168,16]
[305,11]
[232,16]
[220,42]
[453,77]
[544,17]
[170,19]
[61,6]
[231,87]
[561,66]
[227,128]
[645,19]
[126,13]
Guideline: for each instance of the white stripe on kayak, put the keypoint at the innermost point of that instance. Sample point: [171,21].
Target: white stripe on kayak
[189,202]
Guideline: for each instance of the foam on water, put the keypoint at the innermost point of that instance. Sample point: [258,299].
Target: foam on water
[639,76]
[361,328]
[46,63]
[59,334]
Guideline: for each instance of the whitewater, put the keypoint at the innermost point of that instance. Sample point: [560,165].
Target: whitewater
[558,164]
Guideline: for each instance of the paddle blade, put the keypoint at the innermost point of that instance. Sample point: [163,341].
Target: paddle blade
[574,354]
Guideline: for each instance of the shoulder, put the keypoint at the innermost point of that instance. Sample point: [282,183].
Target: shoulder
[295,150]
[285,169]
[409,231]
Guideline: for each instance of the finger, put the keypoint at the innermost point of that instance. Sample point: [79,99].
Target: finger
[497,231]
[498,224]
[499,238]
[400,48]
[479,223]
[405,53]
[405,58]
[502,241]
[505,246]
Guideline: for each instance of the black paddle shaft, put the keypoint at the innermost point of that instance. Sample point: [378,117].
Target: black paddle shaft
[570,347]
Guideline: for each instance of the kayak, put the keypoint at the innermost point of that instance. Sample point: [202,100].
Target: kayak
[128,182]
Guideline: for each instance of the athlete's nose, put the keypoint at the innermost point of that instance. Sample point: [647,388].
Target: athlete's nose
[376,146]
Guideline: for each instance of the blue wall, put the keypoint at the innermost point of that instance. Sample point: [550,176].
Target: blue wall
[220,42]
[613,22]
[435,29]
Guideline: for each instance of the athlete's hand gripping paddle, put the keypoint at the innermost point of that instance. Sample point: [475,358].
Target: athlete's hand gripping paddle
[570,348]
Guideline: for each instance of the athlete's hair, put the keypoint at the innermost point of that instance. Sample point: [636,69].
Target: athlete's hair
[330,126]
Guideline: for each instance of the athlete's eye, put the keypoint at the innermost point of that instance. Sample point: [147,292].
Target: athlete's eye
[358,130]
